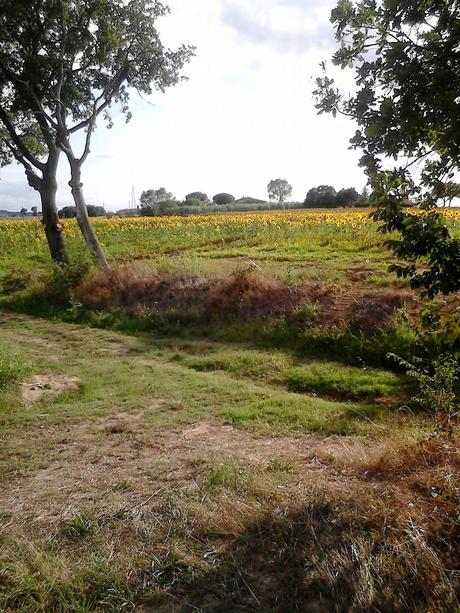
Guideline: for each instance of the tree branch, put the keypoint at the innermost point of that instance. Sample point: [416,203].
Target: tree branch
[18,141]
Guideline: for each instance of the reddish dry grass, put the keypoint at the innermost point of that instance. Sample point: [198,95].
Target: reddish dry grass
[246,296]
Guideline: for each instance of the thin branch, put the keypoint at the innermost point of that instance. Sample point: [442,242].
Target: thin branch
[23,85]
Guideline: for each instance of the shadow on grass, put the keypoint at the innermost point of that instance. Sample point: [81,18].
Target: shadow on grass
[317,560]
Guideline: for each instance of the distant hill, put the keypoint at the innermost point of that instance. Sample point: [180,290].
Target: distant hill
[4,213]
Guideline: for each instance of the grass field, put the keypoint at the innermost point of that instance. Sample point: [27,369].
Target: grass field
[215,426]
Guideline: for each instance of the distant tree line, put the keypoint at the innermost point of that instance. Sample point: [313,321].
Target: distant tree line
[326,197]
[70,212]
[161,202]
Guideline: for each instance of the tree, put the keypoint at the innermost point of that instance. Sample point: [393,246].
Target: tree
[154,196]
[197,196]
[21,32]
[279,190]
[223,199]
[449,192]
[321,197]
[96,211]
[407,107]
[23,211]
[68,212]
[347,197]
[62,64]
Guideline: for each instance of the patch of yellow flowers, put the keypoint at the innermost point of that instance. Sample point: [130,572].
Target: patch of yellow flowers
[14,232]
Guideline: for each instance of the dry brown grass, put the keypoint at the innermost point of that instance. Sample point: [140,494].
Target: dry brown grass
[246,295]
[337,525]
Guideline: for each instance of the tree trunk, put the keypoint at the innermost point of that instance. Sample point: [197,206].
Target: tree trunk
[82,215]
[47,188]
[53,227]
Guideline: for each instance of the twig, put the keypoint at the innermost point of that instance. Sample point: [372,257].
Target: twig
[141,504]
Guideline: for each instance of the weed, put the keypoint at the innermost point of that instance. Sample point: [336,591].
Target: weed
[227,476]
[64,279]
[12,368]
[78,527]
[436,380]
[121,486]
[278,465]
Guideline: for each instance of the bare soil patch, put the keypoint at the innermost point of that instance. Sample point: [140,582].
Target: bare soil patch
[91,458]
[49,386]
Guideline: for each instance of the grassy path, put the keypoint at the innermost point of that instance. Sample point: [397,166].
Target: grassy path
[153,474]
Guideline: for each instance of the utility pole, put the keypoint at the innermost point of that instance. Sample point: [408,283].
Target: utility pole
[133,203]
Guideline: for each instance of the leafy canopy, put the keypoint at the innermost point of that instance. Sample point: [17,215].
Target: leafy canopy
[223,198]
[406,61]
[279,190]
[322,197]
[197,196]
[64,63]
[151,197]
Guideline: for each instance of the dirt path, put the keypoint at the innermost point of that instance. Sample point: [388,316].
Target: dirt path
[85,461]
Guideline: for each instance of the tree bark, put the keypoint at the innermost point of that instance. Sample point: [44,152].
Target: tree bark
[47,188]
[82,214]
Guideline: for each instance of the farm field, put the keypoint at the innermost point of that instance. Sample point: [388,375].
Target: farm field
[282,238]
[215,425]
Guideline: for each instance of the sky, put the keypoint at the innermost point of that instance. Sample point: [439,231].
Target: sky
[245,114]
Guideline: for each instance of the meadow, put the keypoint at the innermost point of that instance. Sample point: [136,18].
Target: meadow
[215,425]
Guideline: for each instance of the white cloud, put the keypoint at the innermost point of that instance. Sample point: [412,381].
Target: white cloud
[245,115]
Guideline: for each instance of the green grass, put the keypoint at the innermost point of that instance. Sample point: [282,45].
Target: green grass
[292,413]
[78,527]
[332,379]
[12,368]
[228,476]
[122,373]
[192,467]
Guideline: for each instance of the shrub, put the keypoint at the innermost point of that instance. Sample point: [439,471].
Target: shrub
[68,212]
[64,279]
[96,211]
[168,207]
[223,199]
[15,281]
[436,380]
[250,200]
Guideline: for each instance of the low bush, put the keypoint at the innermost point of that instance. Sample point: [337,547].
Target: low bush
[64,279]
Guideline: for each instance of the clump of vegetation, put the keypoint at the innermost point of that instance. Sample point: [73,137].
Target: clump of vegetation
[12,368]
[15,280]
[64,279]
[228,476]
[436,380]
[78,527]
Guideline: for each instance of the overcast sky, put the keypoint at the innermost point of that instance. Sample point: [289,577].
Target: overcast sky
[245,115]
